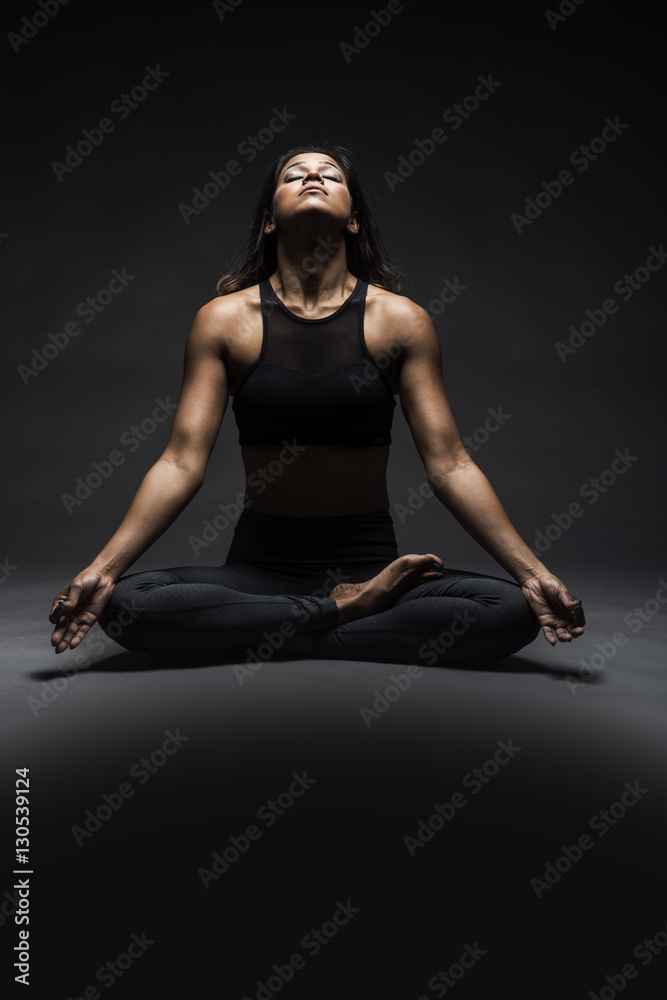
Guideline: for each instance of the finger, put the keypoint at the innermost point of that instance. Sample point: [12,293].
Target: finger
[75,634]
[74,591]
[62,635]
[548,635]
[63,603]
[57,634]
[562,634]
[577,612]
[63,644]
[68,638]
[62,623]
[69,598]
[58,607]
[575,625]
[79,637]
[555,633]
[559,629]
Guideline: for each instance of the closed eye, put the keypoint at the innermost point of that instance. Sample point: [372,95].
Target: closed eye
[331,177]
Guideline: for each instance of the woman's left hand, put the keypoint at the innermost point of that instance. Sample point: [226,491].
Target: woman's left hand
[555,607]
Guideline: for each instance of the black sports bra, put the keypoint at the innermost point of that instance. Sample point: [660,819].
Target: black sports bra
[314,381]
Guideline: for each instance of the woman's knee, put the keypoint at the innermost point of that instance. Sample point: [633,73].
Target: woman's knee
[523,630]
[501,604]
[524,624]
[128,599]
[123,612]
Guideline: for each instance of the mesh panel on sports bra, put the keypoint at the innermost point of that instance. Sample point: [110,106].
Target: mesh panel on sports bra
[314,381]
[315,348]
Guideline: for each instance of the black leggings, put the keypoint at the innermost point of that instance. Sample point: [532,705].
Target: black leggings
[275,582]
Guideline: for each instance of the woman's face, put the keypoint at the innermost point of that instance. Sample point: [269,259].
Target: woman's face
[313,186]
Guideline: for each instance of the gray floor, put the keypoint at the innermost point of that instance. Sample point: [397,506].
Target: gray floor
[588,722]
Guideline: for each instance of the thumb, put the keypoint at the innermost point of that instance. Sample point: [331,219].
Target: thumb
[75,589]
[67,602]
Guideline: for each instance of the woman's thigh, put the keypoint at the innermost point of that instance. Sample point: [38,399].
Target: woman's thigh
[203,611]
[462,617]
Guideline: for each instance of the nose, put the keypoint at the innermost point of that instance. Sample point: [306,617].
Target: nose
[312,175]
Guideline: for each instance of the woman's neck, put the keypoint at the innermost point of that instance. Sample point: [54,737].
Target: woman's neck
[308,273]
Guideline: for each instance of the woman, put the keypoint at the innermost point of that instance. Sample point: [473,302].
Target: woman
[313,342]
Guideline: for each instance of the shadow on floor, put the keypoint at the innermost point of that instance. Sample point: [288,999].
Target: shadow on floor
[129,662]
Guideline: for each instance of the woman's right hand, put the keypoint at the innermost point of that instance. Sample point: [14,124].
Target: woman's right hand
[78,606]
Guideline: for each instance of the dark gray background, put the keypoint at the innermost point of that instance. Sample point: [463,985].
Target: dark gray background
[450,220]
[119,208]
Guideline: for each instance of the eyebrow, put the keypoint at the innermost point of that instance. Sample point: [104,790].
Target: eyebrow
[302,163]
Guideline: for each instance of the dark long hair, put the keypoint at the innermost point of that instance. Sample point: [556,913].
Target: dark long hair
[365,253]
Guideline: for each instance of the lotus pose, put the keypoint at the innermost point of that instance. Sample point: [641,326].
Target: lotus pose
[312,340]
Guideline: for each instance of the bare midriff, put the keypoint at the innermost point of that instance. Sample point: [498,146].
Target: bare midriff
[316,480]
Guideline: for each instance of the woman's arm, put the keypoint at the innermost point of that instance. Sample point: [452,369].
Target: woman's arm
[167,487]
[460,484]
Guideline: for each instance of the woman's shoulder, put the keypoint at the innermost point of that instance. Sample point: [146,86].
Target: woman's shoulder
[231,303]
[223,320]
[395,307]
[226,313]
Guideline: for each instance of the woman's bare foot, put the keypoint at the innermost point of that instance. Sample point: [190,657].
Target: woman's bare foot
[357,600]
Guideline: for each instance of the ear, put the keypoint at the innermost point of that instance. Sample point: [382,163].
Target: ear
[270,227]
[353,224]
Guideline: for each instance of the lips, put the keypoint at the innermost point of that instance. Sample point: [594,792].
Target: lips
[312,187]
